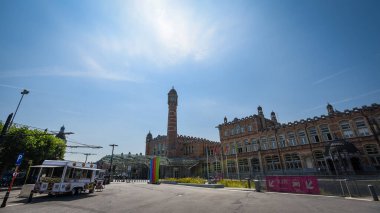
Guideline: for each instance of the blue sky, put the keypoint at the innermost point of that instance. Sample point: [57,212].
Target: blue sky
[104,68]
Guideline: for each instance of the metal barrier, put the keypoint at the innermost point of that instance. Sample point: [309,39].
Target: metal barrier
[348,187]
[136,180]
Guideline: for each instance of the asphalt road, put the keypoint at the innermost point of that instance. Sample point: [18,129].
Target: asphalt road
[142,197]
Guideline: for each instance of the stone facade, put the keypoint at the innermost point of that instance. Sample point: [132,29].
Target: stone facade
[263,146]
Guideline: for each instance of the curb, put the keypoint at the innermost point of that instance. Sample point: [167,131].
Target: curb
[214,186]
[4,189]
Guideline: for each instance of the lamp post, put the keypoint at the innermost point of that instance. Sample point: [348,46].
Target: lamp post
[24,92]
[111,173]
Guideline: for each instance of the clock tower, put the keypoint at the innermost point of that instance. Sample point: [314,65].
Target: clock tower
[172,122]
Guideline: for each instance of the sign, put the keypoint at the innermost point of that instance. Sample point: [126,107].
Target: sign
[293,184]
[19,159]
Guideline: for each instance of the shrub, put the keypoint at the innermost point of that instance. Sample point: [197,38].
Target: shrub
[236,183]
[187,180]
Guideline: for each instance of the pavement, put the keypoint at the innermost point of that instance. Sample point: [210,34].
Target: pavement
[4,189]
[142,197]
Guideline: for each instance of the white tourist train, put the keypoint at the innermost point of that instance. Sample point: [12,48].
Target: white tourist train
[63,177]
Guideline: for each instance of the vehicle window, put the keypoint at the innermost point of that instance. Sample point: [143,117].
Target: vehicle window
[77,173]
[57,172]
[84,173]
[69,173]
[89,173]
[46,172]
[33,174]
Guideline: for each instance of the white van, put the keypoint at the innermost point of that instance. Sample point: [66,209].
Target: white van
[61,177]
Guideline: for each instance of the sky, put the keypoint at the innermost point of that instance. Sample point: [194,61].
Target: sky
[103,68]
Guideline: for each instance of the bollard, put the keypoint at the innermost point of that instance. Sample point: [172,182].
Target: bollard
[373,192]
[5,200]
[257,186]
[249,182]
[30,196]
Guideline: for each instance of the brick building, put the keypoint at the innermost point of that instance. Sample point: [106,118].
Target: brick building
[339,142]
[186,154]
[336,143]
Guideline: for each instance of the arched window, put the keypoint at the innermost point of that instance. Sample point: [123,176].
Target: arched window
[326,135]
[346,129]
[272,142]
[314,137]
[302,137]
[233,148]
[293,161]
[320,160]
[377,119]
[263,143]
[254,144]
[292,139]
[216,166]
[239,147]
[373,154]
[371,149]
[247,147]
[361,126]
[243,165]
[281,139]
[272,162]
[237,130]
[255,163]
[231,166]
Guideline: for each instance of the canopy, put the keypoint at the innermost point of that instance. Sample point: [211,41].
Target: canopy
[340,145]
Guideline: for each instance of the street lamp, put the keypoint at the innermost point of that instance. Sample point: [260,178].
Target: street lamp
[111,173]
[24,92]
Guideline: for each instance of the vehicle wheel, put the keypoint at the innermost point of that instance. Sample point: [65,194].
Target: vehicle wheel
[91,191]
[74,191]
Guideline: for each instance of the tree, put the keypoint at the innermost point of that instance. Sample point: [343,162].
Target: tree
[35,144]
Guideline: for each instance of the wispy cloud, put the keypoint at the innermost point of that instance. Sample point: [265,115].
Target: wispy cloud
[93,68]
[328,77]
[344,100]
[89,68]
[10,86]
[163,32]
[22,88]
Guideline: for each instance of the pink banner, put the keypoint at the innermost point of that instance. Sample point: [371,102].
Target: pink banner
[293,184]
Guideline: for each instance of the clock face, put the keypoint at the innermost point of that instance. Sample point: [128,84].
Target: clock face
[172,99]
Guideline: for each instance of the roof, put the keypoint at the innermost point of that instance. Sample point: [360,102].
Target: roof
[173,91]
[69,163]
